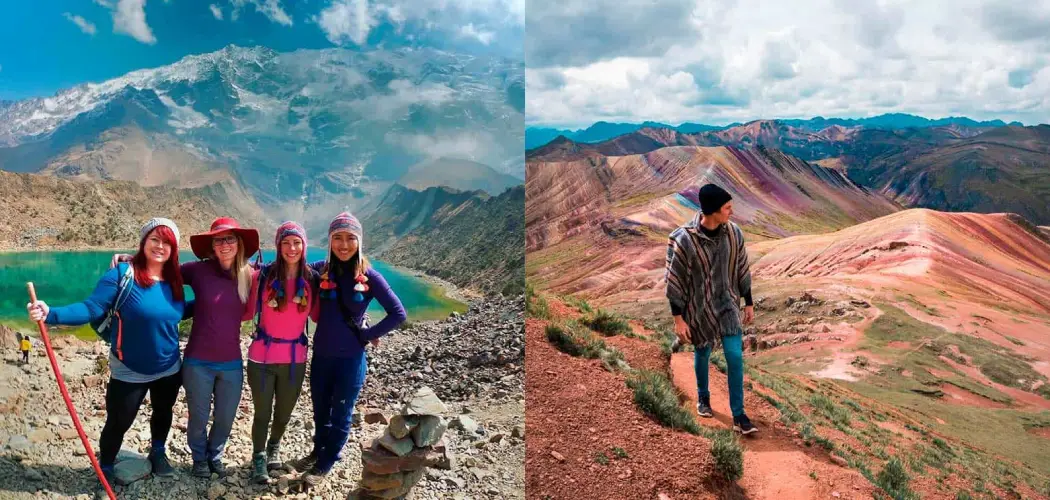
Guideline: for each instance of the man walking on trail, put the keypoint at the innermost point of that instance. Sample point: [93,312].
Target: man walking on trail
[707,275]
[26,345]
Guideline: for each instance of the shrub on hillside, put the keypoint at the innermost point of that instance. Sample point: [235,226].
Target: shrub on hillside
[655,395]
[729,457]
[535,306]
[608,324]
[574,340]
[893,479]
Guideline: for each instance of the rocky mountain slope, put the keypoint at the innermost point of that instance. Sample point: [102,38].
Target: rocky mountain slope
[468,238]
[41,454]
[49,212]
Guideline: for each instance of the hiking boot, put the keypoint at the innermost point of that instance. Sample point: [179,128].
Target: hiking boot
[306,463]
[161,466]
[200,469]
[273,456]
[743,425]
[703,407]
[100,490]
[259,474]
[217,467]
[314,477]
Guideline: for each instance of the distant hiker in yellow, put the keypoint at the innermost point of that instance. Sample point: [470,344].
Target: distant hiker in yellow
[707,275]
[26,345]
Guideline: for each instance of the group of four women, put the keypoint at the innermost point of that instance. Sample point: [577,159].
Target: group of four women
[280,297]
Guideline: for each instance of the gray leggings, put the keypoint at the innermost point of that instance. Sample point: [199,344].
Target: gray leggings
[269,382]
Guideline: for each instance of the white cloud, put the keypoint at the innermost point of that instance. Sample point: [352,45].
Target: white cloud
[105,3]
[474,145]
[469,31]
[272,9]
[129,18]
[754,59]
[86,26]
[216,11]
[347,21]
[351,21]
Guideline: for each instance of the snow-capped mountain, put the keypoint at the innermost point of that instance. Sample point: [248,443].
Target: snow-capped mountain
[291,127]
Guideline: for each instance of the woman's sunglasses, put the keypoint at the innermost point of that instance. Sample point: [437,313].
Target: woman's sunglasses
[225,240]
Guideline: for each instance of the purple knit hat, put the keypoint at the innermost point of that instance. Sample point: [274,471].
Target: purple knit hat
[289,228]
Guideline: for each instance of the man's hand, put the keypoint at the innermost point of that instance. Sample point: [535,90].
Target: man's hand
[681,330]
[749,314]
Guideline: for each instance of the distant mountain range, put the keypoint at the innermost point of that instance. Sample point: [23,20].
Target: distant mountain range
[270,136]
[602,131]
[306,133]
[951,168]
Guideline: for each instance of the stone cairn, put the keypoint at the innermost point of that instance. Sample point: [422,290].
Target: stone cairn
[413,440]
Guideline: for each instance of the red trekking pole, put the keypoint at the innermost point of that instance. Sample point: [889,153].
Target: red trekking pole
[65,396]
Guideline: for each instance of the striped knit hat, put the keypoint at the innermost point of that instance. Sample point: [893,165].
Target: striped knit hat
[342,223]
[289,228]
[156,222]
[347,223]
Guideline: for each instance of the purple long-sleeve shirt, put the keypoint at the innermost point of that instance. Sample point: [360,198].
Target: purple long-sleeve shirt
[333,337]
[217,311]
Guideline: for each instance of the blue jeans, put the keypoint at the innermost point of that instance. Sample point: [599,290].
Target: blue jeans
[733,348]
[201,383]
[335,384]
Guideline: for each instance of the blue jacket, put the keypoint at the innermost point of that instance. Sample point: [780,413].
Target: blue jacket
[333,337]
[148,342]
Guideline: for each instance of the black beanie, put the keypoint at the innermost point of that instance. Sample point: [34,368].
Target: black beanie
[712,198]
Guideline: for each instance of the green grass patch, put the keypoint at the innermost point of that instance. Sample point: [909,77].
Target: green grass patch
[607,323]
[1015,341]
[580,304]
[573,339]
[719,360]
[894,480]
[619,452]
[829,410]
[535,305]
[601,458]
[728,454]
[655,395]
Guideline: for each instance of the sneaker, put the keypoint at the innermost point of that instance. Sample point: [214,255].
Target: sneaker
[161,466]
[703,407]
[259,474]
[217,467]
[743,425]
[307,462]
[273,456]
[313,477]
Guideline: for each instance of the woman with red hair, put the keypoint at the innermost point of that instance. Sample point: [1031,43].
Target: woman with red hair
[144,355]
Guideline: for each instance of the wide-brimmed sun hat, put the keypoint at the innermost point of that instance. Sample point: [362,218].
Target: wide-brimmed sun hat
[201,243]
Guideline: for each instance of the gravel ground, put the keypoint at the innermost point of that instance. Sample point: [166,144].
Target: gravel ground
[473,362]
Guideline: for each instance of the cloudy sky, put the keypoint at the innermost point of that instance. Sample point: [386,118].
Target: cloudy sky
[46,46]
[718,62]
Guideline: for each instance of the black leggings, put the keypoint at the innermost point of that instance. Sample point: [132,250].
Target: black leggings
[123,400]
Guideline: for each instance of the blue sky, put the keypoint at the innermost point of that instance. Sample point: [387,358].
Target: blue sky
[50,45]
[718,62]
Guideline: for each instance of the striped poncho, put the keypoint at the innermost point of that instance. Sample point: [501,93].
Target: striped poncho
[706,276]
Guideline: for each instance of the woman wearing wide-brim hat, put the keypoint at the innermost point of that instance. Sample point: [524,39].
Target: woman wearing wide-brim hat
[221,284]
